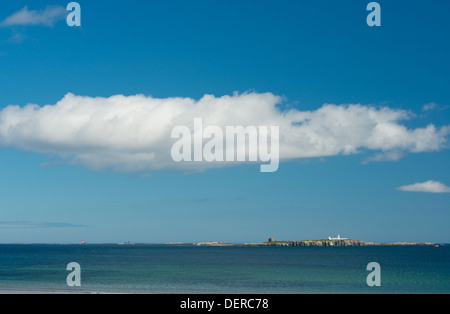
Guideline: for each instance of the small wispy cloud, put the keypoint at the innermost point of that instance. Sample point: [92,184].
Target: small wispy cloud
[385,156]
[45,17]
[35,225]
[17,37]
[427,187]
[433,106]
[430,106]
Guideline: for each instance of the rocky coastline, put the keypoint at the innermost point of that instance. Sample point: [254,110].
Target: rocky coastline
[333,243]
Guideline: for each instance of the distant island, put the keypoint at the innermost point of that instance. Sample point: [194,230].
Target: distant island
[330,242]
[316,243]
[335,243]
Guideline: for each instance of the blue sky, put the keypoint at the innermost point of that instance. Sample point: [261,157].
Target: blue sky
[310,52]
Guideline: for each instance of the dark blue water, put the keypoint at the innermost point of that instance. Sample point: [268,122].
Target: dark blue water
[171,269]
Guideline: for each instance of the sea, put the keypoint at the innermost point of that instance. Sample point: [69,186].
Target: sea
[168,269]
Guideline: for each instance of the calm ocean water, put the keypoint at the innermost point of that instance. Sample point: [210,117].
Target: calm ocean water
[171,269]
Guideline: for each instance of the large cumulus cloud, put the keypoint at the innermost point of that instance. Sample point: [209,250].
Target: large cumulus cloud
[133,133]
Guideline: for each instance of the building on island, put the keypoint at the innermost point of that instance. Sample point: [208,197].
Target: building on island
[338,238]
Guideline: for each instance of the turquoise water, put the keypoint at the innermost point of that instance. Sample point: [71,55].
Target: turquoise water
[172,269]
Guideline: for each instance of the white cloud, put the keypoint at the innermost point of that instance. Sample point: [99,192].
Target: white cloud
[133,133]
[428,187]
[47,17]
[430,106]
[386,156]
[17,37]
[433,106]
